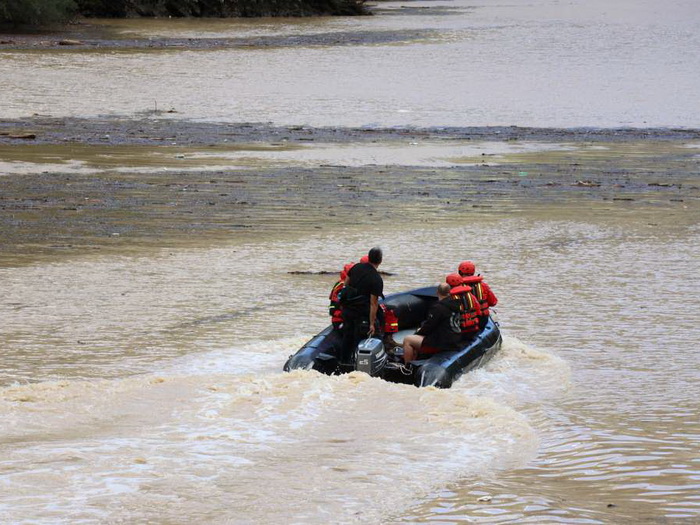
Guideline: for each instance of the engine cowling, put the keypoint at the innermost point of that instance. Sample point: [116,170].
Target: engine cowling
[370,356]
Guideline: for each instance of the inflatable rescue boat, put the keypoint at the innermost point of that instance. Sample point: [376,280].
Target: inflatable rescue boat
[381,357]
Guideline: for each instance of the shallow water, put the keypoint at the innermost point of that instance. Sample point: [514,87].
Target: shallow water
[476,63]
[86,159]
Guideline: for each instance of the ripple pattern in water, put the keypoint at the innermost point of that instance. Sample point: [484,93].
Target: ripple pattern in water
[576,414]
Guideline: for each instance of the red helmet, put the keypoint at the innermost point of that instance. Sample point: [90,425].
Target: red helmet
[467,268]
[364,259]
[345,270]
[454,279]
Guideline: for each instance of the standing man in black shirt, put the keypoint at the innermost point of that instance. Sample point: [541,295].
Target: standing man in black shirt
[360,303]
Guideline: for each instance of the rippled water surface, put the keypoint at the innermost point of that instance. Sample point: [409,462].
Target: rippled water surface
[592,403]
[627,63]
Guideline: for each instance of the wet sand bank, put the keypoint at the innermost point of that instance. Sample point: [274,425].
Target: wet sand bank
[85,40]
[128,200]
[121,34]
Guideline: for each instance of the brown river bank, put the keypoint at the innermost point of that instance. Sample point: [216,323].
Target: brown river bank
[102,185]
[110,34]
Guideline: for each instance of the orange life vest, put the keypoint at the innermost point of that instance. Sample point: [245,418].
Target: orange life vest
[469,309]
[334,307]
[391,322]
[478,290]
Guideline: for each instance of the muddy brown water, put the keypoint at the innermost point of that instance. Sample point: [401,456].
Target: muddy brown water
[148,304]
[471,63]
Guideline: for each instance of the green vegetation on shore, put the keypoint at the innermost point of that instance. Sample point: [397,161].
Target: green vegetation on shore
[35,12]
[40,12]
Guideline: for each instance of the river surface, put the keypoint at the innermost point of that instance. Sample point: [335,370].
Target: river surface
[542,63]
[146,386]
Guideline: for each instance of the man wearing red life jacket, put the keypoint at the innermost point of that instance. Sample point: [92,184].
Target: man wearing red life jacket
[439,332]
[469,307]
[480,289]
[334,309]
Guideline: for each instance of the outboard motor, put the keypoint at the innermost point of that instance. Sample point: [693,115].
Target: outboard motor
[371,357]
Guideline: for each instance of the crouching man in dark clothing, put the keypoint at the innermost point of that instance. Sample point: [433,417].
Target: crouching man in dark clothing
[360,303]
[440,332]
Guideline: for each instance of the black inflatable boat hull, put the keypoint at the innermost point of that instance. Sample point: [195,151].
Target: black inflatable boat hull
[440,370]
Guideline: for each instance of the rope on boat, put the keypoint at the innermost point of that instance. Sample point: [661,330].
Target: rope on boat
[406,370]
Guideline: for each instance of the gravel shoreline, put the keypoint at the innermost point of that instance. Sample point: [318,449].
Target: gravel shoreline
[644,176]
[78,41]
[86,35]
[165,126]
